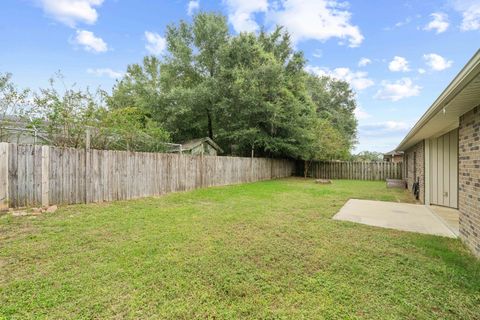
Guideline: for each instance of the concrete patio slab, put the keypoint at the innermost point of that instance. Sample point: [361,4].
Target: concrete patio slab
[449,216]
[394,215]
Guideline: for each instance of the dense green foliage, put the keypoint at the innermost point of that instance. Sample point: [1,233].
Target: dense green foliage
[368,156]
[335,104]
[266,250]
[66,116]
[249,92]
[12,102]
[62,118]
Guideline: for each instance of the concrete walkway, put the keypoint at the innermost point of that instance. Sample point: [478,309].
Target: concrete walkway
[394,215]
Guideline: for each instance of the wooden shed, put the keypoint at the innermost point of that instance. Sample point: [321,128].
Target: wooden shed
[205,146]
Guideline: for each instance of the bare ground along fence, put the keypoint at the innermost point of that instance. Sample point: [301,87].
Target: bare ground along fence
[352,170]
[41,175]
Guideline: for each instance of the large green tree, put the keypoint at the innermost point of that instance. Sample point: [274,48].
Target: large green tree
[140,87]
[335,102]
[264,103]
[189,77]
[249,92]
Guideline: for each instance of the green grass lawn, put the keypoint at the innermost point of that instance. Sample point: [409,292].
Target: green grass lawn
[261,250]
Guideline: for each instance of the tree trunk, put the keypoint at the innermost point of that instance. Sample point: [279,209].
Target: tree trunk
[305,168]
[210,125]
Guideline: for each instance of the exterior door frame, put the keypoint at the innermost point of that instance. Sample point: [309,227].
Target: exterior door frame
[431,180]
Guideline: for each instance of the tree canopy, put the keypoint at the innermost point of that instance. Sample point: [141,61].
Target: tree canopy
[368,156]
[249,92]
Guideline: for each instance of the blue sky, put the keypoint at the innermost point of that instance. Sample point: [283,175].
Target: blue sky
[397,55]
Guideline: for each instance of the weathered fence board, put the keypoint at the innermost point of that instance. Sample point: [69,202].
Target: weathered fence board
[42,175]
[352,170]
[4,178]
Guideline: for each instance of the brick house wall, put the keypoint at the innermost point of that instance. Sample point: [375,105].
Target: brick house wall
[469,178]
[414,167]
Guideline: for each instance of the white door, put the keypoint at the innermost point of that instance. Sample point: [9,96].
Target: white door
[443,170]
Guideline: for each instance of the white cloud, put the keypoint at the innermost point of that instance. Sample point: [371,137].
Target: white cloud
[241,13]
[192,6]
[421,71]
[470,10]
[385,127]
[317,20]
[361,114]
[100,72]
[363,62]
[404,22]
[383,135]
[437,62]
[70,12]
[156,44]
[304,19]
[357,79]
[439,22]
[90,42]
[397,90]
[398,64]
[317,53]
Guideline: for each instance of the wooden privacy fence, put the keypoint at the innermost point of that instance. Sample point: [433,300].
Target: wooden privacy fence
[355,170]
[42,175]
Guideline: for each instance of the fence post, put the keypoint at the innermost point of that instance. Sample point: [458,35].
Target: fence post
[202,171]
[251,162]
[87,165]
[271,168]
[4,201]
[45,175]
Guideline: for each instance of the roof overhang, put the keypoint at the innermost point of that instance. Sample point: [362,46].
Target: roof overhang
[461,95]
[393,153]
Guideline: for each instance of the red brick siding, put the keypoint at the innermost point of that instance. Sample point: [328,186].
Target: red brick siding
[469,179]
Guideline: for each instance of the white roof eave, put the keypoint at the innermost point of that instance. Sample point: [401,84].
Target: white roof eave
[463,78]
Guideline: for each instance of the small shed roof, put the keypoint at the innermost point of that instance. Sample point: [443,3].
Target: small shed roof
[189,145]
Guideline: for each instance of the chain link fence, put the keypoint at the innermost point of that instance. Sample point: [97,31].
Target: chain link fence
[102,139]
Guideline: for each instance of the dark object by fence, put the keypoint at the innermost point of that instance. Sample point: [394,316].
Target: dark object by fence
[416,189]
